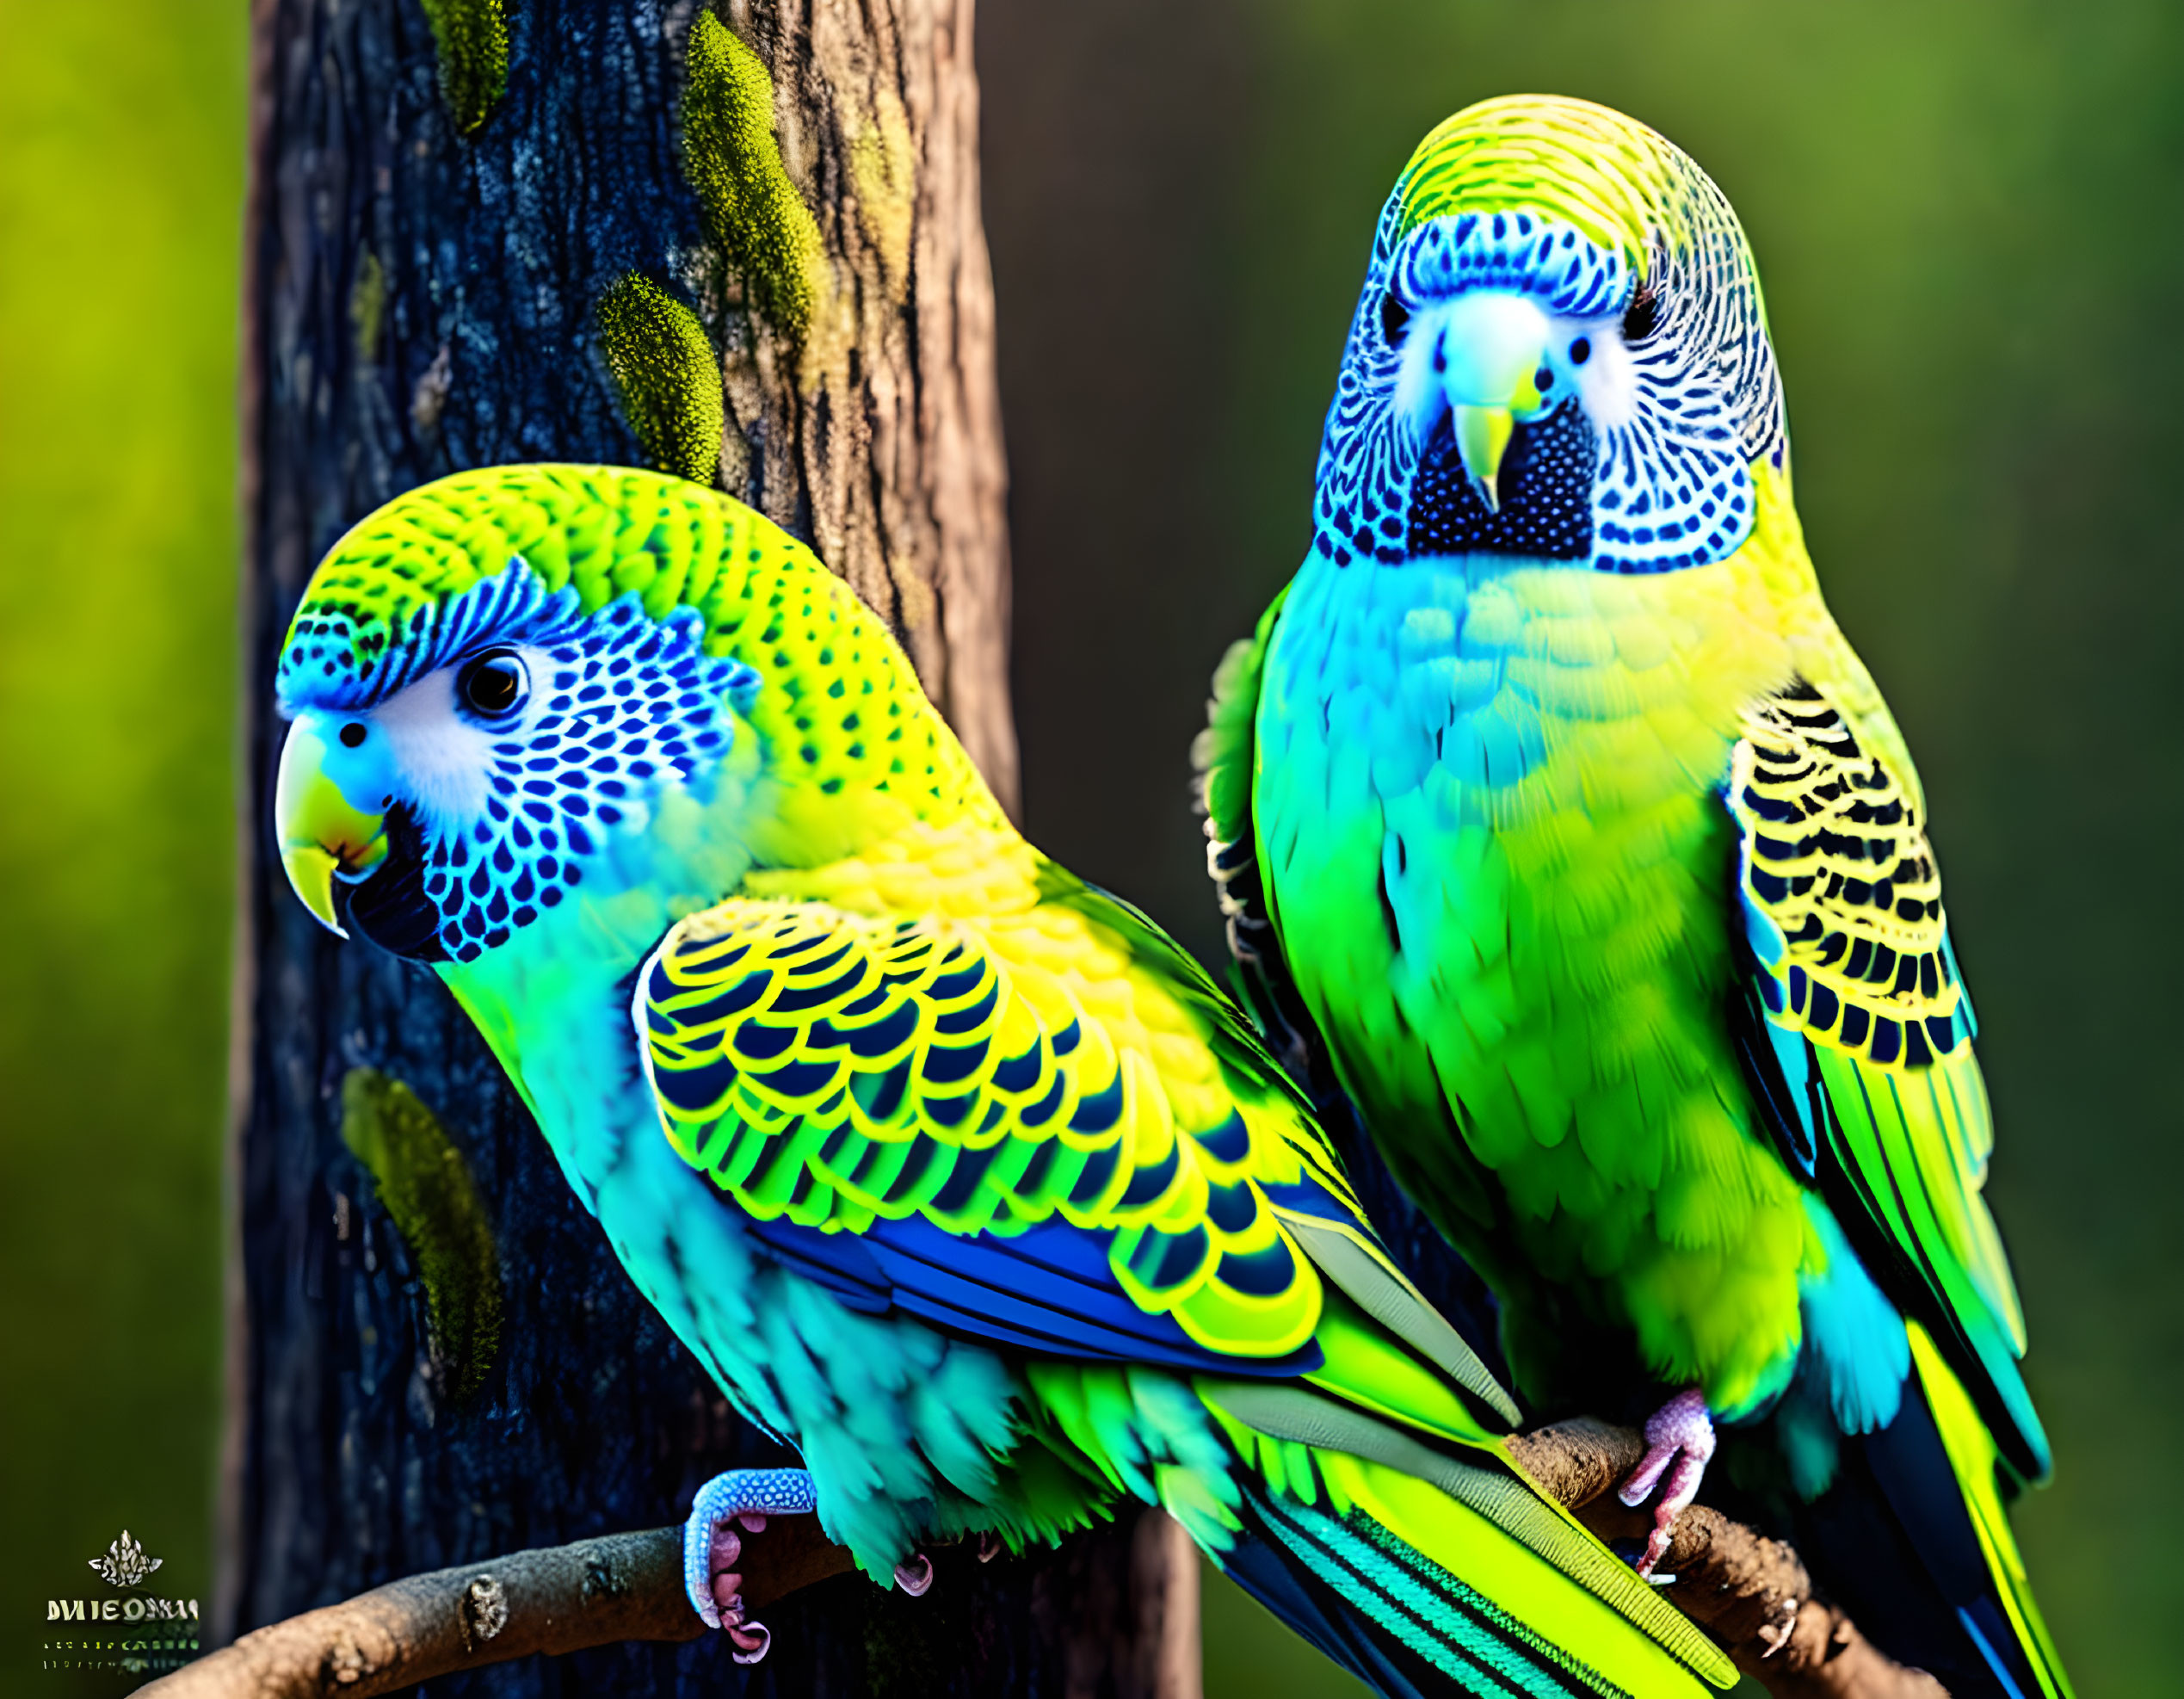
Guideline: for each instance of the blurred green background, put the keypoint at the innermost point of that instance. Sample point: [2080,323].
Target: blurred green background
[1968,219]
[121,150]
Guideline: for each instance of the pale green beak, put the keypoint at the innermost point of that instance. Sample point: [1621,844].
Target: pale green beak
[323,835]
[1492,345]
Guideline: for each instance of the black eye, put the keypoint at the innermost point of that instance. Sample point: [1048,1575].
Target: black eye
[353,734]
[1642,316]
[1581,350]
[1394,320]
[494,683]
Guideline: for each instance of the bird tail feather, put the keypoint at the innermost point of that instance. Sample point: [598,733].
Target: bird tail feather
[2002,1619]
[1378,1607]
[1440,1567]
[1372,1580]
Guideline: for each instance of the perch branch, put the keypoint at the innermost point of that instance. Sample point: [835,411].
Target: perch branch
[1749,1592]
[552,1599]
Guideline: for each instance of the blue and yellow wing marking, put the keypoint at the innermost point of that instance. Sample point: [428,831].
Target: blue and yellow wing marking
[1050,1130]
[1861,1035]
[1019,1127]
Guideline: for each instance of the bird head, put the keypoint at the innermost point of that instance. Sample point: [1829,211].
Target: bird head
[1560,354]
[524,689]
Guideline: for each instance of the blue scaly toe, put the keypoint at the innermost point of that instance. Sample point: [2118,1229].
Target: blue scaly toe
[711,1545]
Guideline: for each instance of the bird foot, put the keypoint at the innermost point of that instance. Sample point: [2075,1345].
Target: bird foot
[741,1499]
[1679,1444]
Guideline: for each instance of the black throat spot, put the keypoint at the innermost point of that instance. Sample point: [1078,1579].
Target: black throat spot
[1546,487]
[391,907]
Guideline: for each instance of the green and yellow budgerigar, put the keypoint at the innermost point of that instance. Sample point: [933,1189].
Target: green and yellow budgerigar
[956,1173]
[1550,801]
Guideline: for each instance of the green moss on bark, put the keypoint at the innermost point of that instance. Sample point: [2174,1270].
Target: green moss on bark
[426,1187]
[367,306]
[471,36]
[733,161]
[669,377]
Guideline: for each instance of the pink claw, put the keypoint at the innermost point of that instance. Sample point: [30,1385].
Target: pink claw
[915,1577]
[751,1639]
[728,1545]
[990,1547]
[1679,1444]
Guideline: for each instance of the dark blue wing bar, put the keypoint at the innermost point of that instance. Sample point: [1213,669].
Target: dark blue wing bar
[1047,1290]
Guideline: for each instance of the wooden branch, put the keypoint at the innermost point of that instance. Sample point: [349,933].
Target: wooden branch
[553,1599]
[1751,1593]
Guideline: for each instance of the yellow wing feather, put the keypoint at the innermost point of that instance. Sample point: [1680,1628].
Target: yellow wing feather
[987,1075]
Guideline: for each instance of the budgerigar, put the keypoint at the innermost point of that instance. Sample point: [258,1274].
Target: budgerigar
[1550,795]
[957,1174]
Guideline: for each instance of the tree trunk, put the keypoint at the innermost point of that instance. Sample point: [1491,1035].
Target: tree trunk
[442,201]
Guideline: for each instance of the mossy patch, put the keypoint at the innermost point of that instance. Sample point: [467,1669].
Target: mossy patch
[669,377]
[367,306]
[471,36]
[732,160]
[883,167]
[426,1187]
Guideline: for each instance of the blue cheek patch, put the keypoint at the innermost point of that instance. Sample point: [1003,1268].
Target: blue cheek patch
[1674,488]
[621,708]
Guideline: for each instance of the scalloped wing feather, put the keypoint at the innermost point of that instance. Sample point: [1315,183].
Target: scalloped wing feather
[1868,1066]
[990,1077]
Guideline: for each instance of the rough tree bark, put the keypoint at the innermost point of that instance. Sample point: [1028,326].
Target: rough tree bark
[420,1374]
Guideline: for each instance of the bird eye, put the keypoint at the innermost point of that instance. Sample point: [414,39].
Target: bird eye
[494,683]
[1581,350]
[1394,320]
[1642,316]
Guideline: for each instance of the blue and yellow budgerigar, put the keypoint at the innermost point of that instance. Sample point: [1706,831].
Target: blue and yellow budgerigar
[956,1173]
[1550,801]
